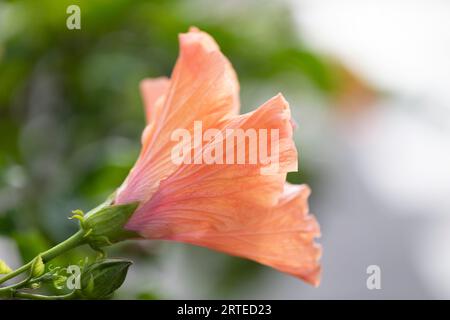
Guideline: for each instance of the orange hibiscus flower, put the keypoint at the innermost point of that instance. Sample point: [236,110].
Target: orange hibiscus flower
[233,208]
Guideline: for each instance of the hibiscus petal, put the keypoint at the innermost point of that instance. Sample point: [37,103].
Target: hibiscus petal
[153,90]
[235,208]
[281,236]
[203,87]
[230,181]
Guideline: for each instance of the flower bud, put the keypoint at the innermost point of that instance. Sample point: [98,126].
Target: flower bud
[37,267]
[100,279]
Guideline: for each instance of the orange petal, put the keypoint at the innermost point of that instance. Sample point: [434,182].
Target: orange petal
[235,209]
[203,87]
[281,237]
[230,181]
[152,90]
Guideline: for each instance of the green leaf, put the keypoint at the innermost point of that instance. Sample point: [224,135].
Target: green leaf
[102,278]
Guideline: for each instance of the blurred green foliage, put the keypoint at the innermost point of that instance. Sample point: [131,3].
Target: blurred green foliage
[70,110]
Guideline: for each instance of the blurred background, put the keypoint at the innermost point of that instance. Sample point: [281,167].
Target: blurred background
[368,82]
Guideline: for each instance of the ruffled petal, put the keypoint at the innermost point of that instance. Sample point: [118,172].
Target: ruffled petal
[239,208]
[281,237]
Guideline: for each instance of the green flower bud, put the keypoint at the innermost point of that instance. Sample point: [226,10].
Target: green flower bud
[38,267]
[100,279]
[4,268]
[105,225]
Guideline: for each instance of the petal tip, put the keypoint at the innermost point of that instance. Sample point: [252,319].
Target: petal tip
[193,29]
[280,97]
[194,37]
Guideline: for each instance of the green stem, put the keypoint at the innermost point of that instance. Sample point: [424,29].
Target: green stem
[15,273]
[32,296]
[74,241]
[15,286]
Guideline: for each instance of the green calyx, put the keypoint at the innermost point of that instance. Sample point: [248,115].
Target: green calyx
[105,224]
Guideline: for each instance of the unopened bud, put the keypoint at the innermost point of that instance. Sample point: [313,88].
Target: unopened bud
[37,267]
[102,278]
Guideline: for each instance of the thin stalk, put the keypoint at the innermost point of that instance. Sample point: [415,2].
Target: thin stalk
[32,296]
[74,241]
